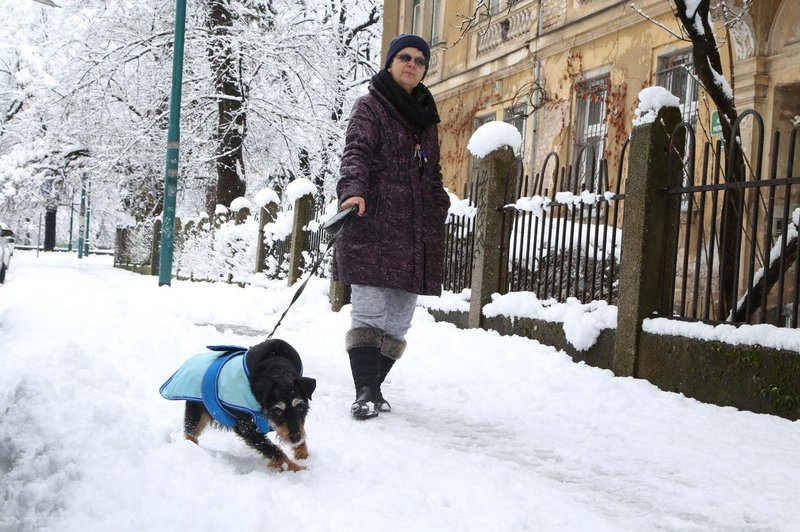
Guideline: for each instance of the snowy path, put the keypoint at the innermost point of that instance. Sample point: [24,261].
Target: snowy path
[488,433]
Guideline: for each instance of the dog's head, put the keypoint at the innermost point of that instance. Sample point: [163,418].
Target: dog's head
[283,395]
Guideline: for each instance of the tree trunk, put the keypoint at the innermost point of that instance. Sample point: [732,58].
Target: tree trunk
[708,64]
[231,126]
[50,228]
[767,281]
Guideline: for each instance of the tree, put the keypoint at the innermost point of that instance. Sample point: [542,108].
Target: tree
[266,84]
[226,66]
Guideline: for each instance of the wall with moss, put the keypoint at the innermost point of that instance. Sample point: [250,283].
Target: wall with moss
[753,378]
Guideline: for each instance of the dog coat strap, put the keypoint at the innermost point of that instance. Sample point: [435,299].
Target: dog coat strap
[234,393]
[211,400]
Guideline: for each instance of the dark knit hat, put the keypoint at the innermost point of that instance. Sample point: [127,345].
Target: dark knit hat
[404,40]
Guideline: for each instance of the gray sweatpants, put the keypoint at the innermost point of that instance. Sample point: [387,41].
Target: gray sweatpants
[382,308]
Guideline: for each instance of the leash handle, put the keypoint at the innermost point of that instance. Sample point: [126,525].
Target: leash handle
[303,286]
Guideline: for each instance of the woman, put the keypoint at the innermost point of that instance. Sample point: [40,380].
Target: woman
[393,250]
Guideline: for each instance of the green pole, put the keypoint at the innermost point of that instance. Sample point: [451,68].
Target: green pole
[82,216]
[173,151]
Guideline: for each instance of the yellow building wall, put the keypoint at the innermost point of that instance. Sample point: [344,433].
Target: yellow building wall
[491,66]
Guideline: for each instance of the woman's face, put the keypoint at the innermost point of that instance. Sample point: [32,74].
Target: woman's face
[408,67]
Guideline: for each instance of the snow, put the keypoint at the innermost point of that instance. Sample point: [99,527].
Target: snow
[487,432]
[300,187]
[691,8]
[721,82]
[492,136]
[651,100]
[461,207]
[241,203]
[265,196]
[760,334]
[582,323]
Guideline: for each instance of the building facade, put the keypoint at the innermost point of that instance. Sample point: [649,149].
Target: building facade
[567,73]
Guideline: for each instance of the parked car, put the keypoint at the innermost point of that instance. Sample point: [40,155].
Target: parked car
[6,249]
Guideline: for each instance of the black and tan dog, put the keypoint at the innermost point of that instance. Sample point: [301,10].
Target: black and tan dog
[252,392]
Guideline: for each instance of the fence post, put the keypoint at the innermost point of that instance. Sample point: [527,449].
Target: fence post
[494,172]
[303,213]
[155,249]
[646,271]
[268,214]
[338,294]
[119,245]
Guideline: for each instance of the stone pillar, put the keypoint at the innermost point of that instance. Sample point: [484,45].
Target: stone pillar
[496,169]
[648,230]
[268,214]
[303,213]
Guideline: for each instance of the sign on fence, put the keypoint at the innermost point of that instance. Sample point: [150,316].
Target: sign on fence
[716,126]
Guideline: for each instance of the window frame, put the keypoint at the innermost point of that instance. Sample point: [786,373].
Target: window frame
[588,131]
[416,16]
[436,21]
[680,62]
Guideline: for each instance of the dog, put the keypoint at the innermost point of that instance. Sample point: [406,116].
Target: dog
[250,391]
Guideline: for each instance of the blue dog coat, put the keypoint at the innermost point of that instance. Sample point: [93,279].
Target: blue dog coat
[218,379]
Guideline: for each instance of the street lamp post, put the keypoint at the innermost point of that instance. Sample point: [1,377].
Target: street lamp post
[173,150]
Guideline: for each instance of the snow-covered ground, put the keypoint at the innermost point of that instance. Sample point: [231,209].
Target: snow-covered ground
[487,433]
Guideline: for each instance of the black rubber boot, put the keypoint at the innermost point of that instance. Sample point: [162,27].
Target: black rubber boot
[386,366]
[365,363]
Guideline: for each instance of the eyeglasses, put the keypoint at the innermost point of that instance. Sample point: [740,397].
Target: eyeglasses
[419,61]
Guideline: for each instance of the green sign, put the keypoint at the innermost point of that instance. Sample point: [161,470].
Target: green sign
[716,127]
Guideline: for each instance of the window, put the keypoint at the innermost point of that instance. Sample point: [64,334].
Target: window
[416,17]
[515,116]
[676,74]
[494,6]
[436,21]
[590,128]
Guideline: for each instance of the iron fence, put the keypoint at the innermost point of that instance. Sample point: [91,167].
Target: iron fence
[316,243]
[737,248]
[564,242]
[460,242]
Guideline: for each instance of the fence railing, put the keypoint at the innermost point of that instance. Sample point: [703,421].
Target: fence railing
[731,254]
[567,243]
[737,253]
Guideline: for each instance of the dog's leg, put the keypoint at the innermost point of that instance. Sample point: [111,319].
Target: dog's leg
[195,419]
[248,431]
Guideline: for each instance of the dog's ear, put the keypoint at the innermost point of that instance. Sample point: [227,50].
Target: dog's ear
[307,386]
[262,388]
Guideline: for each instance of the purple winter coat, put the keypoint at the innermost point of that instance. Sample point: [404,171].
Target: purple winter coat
[399,241]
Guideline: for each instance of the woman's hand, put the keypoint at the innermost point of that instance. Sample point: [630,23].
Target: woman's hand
[357,201]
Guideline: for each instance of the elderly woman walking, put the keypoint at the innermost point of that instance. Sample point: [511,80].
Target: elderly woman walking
[392,251]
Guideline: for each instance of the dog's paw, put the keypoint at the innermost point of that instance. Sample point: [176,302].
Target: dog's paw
[301,452]
[284,464]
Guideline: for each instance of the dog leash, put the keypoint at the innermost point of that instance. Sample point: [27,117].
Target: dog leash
[334,228]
